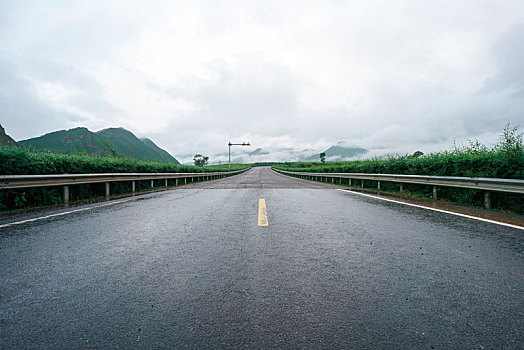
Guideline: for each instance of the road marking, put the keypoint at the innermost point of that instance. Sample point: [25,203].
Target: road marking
[435,209]
[61,214]
[262,213]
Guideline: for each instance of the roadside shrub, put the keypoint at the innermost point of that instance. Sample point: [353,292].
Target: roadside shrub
[503,160]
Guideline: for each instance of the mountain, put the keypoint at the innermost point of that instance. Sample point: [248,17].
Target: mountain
[6,140]
[128,145]
[77,140]
[159,151]
[339,152]
[114,141]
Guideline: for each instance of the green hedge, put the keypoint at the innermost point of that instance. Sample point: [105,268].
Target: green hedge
[20,161]
[488,164]
[504,160]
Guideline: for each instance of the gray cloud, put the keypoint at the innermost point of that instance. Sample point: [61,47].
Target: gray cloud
[390,77]
[21,111]
[509,54]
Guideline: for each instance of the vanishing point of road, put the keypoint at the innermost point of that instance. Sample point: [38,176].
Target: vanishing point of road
[260,260]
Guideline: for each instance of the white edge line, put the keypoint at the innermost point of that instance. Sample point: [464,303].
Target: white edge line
[434,209]
[61,214]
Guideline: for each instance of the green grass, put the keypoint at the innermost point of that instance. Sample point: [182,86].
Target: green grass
[225,166]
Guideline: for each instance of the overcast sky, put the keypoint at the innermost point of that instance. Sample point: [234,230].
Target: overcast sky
[396,76]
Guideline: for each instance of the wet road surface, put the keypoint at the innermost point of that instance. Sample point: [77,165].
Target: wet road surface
[191,268]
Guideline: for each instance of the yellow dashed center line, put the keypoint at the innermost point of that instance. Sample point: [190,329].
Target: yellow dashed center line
[262,213]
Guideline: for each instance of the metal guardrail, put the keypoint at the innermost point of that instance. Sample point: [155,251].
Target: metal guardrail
[65,180]
[478,183]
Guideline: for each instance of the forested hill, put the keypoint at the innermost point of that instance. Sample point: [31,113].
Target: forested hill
[128,145]
[107,142]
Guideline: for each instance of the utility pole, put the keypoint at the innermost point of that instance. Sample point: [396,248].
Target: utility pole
[235,144]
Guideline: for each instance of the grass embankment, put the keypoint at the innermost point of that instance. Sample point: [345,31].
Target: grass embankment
[224,167]
[504,160]
[20,161]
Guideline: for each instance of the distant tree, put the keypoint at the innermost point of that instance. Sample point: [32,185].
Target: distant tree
[200,160]
[323,157]
[417,154]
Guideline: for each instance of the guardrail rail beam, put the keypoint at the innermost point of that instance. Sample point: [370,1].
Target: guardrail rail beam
[488,185]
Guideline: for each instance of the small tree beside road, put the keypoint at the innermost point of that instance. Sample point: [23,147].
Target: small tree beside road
[200,160]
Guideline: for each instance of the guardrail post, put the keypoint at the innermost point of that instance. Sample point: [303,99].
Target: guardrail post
[185,180]
[133,187]
[488,186]
[152,183]
[176,182]
[107,190]
[65,195]
[487,200]
[166,183]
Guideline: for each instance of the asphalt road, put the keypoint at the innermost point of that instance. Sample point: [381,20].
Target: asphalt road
[191,268]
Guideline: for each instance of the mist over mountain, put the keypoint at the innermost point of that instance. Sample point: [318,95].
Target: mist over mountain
[341,151]
[107,142]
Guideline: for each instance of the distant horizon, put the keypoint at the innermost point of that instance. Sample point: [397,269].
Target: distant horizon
[241,155]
